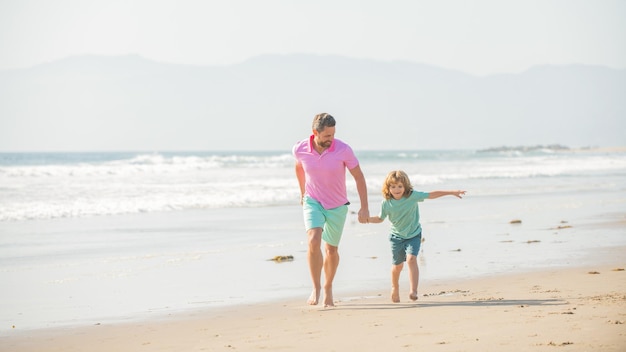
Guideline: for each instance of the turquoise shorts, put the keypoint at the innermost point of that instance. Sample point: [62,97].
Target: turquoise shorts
[401,247]
[330,220]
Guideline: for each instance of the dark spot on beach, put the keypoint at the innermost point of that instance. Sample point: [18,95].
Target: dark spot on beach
[562,344]
[282,258]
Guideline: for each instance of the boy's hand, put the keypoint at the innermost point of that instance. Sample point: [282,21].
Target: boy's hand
[458,194]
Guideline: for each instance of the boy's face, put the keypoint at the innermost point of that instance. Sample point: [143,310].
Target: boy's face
[396,190]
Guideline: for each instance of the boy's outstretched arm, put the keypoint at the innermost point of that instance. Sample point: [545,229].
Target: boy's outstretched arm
[437,194]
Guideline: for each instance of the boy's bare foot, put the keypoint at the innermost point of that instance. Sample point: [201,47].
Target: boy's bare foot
[314,298]
[328,298]
[395,295]
[413,296]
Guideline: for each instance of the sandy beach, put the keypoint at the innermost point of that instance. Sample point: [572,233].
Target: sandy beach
[202,279]
[564,309]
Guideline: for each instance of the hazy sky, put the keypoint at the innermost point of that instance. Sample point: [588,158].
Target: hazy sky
[478,37]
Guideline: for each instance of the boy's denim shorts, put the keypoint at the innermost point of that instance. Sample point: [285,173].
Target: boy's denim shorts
[401,247]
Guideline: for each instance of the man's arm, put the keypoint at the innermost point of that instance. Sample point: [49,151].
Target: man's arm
[361,187]
[300,175]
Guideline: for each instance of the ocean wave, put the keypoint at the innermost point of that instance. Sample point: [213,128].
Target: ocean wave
[210,161]
[84,200]
[544,166]
[153,182]
[149,164]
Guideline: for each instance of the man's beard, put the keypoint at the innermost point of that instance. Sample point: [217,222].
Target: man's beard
[325,144]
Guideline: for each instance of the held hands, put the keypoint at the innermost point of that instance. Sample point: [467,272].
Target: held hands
[364,215]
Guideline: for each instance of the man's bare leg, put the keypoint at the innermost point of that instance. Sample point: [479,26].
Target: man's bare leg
[414,275]
[331,263]
[315,259]
[395,282]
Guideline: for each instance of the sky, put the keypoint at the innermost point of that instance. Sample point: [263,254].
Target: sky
[478,37]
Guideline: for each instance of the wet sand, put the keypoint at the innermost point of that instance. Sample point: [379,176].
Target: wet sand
[562,309]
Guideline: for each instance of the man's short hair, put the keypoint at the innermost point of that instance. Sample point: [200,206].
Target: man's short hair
[322,121]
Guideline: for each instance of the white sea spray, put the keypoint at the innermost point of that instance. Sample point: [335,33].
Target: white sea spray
[57,185]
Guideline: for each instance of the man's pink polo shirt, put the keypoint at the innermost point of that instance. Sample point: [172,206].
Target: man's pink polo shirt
[326,173]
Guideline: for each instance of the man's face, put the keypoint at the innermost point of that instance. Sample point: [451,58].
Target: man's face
[325,138]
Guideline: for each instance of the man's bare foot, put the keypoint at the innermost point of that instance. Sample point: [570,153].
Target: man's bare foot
[413,296]
[314,298]
[328,298]
[395,295]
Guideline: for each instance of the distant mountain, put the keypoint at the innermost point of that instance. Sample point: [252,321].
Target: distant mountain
[268,102]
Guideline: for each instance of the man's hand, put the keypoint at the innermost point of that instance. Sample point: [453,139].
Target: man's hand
[364,214]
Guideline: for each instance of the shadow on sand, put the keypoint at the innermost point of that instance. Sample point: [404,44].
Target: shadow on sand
[430,304]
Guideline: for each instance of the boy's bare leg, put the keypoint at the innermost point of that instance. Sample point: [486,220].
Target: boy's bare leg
[414,275]
[395,282]
[331,263]
[316,260]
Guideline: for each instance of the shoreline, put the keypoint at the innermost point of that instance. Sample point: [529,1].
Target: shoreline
[581,308]
[131,282]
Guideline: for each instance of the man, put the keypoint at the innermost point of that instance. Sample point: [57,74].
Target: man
[321,161]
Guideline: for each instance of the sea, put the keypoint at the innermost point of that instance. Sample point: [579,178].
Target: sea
[101,237]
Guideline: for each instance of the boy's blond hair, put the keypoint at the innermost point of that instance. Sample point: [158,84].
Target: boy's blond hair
[397,176]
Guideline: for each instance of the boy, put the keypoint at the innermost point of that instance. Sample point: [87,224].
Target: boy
[401,206]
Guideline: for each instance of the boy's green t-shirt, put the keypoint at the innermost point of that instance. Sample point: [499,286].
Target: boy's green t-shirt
[404,214]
